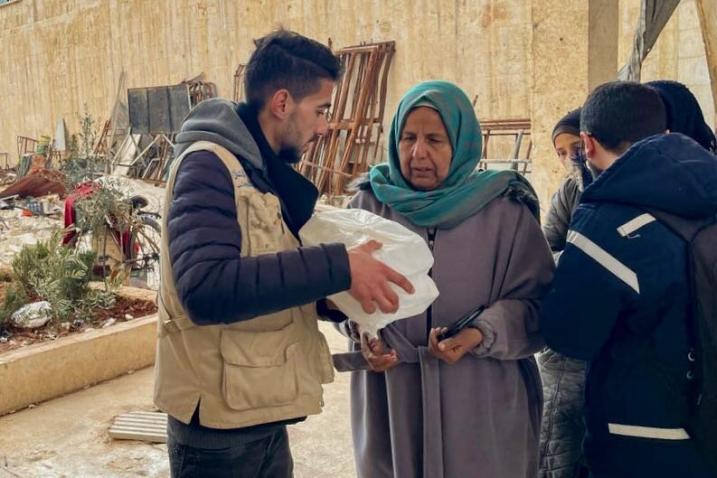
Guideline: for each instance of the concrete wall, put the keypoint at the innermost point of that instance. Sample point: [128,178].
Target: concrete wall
[59,55]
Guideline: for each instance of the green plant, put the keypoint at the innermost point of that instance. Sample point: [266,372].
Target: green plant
[83,163]
[15,298]
[60,275]
[107,204]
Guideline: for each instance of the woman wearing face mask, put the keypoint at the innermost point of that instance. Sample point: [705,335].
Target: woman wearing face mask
[470,405]
[562,428]
[568,147]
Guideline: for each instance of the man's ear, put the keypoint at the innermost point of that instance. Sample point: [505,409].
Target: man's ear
[589,144]
[281,104]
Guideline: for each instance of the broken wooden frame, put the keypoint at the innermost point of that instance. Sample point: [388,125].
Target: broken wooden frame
[355,120]
[25,145]
[519,130]
[239,82]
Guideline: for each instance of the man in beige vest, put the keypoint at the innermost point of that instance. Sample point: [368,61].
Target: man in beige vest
[239,352]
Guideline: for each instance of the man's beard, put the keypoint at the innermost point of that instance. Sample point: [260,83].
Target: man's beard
[290,154]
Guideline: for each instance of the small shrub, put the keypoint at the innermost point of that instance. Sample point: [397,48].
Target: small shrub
[15,298]
[60,275]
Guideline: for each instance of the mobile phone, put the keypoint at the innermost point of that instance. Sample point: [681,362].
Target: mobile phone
[461,324]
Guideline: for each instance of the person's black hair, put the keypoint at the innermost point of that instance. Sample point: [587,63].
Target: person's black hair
[620,113]
[684,114]
[286,59]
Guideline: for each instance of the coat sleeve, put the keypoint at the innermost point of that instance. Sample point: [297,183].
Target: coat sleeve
[214,283]
[559,215]
[510,324]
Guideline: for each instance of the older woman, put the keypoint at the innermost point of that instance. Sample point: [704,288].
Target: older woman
[470,405]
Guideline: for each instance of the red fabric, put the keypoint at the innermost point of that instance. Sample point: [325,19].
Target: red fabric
[82,191]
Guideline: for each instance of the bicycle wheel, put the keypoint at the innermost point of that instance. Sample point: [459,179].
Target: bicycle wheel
[145,264]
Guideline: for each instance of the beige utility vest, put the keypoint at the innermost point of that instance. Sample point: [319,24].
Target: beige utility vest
[262,370]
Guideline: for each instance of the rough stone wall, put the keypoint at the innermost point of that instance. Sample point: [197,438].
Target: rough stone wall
[59,55]
[679,53]
[56,56]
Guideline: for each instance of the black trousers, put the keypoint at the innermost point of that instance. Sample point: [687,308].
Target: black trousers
[266,457]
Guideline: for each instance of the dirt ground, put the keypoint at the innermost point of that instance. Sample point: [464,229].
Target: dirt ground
[67,437]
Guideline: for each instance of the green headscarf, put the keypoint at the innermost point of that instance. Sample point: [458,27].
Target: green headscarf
[465,191]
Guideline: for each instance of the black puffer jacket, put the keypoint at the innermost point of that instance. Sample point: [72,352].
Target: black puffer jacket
[214,283]
[562,429]
[562,205]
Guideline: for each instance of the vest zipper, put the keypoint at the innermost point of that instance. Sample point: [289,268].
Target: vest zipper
[429,312]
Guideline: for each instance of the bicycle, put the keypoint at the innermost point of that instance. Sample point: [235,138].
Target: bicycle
[131,248]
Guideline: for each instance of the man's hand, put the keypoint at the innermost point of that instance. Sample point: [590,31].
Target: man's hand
[453,349]
[370,280]
[374,351]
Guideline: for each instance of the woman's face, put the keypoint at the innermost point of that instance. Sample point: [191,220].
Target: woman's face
[567,145]
[424,149]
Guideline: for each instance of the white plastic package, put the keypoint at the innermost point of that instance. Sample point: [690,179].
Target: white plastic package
[403,251]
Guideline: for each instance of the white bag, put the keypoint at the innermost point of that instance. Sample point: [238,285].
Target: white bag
[403,251]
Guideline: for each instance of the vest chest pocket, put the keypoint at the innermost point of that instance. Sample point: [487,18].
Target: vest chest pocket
[259,369]
[264,225]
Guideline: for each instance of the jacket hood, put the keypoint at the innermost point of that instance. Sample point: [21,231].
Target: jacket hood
[667,172]
[218,121]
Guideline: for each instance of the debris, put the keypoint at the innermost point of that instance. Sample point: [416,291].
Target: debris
[128,317]
[109,322]
[59,143]
[239,83]
[25,146]
[19,231]
[32,316]
[37,184]
[200,90]
[142,426]
[136,187]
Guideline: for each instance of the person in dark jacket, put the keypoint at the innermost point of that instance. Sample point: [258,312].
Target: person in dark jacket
[684,114]
[239,352]
[619,299]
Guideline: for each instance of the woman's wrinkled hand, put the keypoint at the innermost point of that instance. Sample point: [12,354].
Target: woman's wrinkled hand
[451,350]
[378,356]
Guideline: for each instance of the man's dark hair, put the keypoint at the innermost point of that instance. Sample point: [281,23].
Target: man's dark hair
[285,59]
[620,113]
